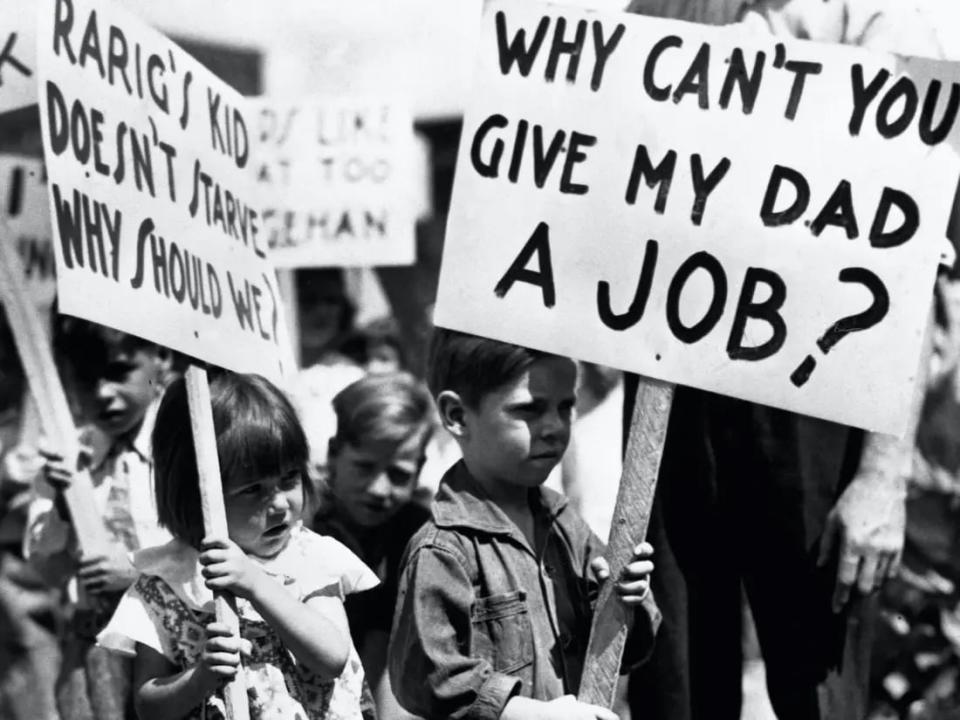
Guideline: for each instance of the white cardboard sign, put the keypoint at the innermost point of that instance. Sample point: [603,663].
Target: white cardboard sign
[338,174]
[18,54]
[750,216]
[26,212]
[154,206]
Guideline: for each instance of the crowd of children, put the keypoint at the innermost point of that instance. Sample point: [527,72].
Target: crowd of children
[358,594]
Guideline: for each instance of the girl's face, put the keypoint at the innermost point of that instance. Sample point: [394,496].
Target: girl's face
[371,482]
[262,511]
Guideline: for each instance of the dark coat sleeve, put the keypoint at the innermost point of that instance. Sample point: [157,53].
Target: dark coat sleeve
[431,671]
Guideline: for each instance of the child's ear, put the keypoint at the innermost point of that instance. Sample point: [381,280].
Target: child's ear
[452,413]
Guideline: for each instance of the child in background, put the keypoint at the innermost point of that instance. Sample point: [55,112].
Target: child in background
[288,581]
[383,425]
[496,597]
[326,312]
[376,347]
[131,374]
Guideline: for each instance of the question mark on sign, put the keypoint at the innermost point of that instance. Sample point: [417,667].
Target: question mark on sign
[851,323]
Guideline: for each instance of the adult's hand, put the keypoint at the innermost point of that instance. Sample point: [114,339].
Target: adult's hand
[866,528]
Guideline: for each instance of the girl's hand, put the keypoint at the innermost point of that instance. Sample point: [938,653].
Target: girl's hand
[220,658]
[227,567]
[634,584]
[161,692]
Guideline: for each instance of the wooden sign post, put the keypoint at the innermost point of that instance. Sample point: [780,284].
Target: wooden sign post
[673,200]
[638,483]
[155,213]
[214,515]
[33,346]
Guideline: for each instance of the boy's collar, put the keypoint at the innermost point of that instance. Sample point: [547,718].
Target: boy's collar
[462,502]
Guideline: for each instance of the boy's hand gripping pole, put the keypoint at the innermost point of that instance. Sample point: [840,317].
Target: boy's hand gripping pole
[33,346]
[214,516]
[638,483]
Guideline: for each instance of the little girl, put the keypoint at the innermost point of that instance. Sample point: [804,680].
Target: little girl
[298,657]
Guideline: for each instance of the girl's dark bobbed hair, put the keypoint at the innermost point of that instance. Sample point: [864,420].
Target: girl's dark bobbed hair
[258,435]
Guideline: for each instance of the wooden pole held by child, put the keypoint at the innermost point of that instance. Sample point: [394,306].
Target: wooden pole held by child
[214,516]
[638,483]
[33,346]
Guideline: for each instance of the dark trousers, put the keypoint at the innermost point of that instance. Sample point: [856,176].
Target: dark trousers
[94,683]
[29,653]
[743,496]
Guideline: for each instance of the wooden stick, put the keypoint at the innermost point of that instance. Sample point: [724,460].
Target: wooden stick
[638,483]
[31,424]
[33,345]
[214,516]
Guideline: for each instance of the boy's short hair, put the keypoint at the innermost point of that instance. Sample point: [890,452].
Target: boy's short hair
[257,432]
[388,408]
[473,366]
[86,345]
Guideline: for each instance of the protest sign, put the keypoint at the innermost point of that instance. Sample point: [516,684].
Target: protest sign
[755,217]
[24,207]
[157,225]
[338,176]
[156,217]
[18,53]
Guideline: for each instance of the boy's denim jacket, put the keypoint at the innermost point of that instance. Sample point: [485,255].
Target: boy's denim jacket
[470,599]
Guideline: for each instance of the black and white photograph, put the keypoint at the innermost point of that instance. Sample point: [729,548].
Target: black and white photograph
[480,360]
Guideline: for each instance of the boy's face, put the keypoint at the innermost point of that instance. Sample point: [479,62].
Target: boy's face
[130,381]
[520,431]
[372,481]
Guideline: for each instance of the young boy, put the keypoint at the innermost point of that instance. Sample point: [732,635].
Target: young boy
[496,597]
[130,375]
[383,425]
